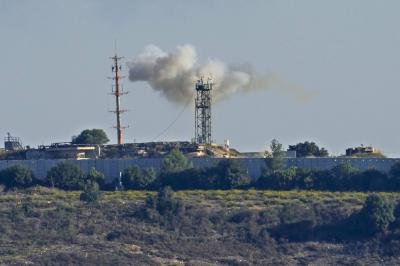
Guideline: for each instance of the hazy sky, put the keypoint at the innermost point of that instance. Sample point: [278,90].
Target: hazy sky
[54,64]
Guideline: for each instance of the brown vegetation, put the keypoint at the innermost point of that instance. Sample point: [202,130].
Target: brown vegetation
[216,227]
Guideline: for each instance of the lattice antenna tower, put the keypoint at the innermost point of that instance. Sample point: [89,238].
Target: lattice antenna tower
[117,91]
[203,111]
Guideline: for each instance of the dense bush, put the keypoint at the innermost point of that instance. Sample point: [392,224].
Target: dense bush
[230,174]
[135,178]
[66,175]
[165,201]
[91,136]
[175,162]
[304,149]
[91,192]
[375,216]
[342,177]
[17,176]
[395,175]
[227,174]
[164,208]
[191,178]
[96,176]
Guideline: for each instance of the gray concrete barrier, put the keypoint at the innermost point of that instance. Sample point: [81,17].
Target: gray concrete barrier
[112,167]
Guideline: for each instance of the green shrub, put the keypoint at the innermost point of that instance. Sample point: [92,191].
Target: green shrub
[164,202]
[91,136]
[134,178]
[91,192]
[175,162]
[395,175]
[17,176]
[231,175]
[66,175]
[95,176]
[376,215]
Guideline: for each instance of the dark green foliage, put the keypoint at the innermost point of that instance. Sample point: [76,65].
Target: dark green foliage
[28,208]
[165,204]
[192,178]
[275,159]
[396,214]
[17,176]
[135,178]
[113,235]
[375,216]
[297,222]
[95,176]
[230,174]
[175,162]
[279,180]
[66,175]
[344,170]
[91,136]
[395,175]
[227,174]
[342,177]
[308,149]
[395,170]
[91,192]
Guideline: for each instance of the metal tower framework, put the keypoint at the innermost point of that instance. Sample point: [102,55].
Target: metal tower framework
[117,92]
[203,111]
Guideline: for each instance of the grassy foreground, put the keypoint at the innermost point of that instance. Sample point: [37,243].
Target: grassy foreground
[233,227]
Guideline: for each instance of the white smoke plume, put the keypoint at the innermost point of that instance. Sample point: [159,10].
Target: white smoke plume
[174,75]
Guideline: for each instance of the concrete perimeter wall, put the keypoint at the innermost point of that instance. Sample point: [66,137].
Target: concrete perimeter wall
[112,167]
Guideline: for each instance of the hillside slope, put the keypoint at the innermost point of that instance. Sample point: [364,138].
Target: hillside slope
[52,227]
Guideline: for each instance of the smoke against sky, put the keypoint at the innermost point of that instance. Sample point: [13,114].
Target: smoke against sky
[348,55]
[173,74]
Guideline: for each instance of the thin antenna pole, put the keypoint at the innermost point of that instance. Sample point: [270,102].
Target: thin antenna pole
[117,92]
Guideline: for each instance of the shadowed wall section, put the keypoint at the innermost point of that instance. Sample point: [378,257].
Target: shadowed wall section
[112,167]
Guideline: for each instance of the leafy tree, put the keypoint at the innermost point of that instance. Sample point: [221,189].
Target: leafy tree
[396,213]
[91,136]
[95,176]
[275,161]
[376,214]
[192,178]
[91,192]
[231,175]
[149,174]
[344,169]
[395,170]
[279,180]
[134,178]
[17,176]
[175,162]
[165,202]
[395,176]
[371,180]
[341,177]
[66,175]
[308,149]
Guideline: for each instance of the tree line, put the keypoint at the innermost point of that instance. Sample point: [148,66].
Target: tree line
[178,173]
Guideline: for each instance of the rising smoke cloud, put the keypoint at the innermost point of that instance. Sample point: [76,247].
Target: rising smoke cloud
[174,74]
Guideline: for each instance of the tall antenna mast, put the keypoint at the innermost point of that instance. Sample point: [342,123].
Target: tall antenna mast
[203,111]
[117,92]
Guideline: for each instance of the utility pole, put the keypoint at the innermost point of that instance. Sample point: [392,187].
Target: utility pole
[117,92]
